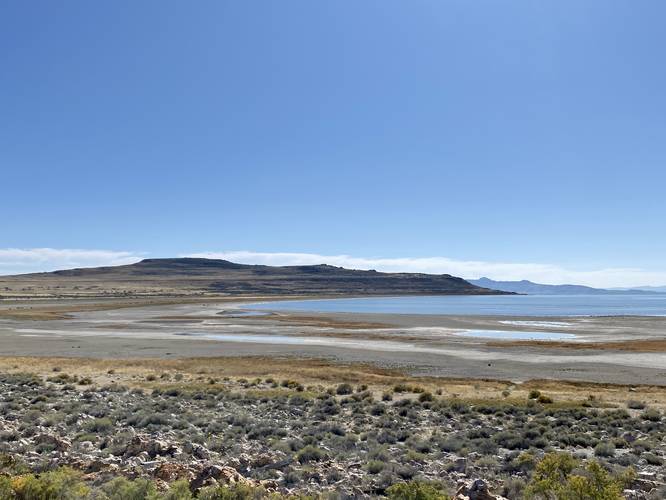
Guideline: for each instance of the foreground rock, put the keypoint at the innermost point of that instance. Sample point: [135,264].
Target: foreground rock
[475,489]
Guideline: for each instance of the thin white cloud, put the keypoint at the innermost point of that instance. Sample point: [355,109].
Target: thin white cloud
[509,271]
[30,260]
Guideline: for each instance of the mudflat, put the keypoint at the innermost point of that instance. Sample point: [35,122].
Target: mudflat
[604,349]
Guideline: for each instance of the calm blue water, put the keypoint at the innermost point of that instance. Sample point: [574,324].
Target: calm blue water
[510,305]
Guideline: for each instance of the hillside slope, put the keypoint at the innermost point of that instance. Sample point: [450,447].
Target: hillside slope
[190,276]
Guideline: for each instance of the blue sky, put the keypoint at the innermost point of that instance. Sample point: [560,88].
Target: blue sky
[517,133]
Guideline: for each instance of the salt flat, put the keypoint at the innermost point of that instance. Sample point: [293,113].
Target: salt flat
[421,344]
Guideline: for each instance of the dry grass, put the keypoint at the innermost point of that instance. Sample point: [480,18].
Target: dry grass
[198,371]
[639,345]
[323,322]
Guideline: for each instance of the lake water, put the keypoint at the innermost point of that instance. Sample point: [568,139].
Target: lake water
[509,305]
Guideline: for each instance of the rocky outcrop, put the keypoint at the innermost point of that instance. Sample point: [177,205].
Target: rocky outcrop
[197,451]
[152,447]
[214,475]
[475,489]
[58,443]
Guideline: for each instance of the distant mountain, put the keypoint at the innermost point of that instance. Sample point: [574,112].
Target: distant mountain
[531,288]
[654,289]
[189,276]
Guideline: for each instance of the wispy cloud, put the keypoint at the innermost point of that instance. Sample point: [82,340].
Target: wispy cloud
[29,260]
[541,273]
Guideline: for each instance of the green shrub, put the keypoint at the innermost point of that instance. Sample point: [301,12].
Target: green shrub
[553,479]
[61,484]
[525,461]
[415,490]
[124,489]
[6,490]
[179,490]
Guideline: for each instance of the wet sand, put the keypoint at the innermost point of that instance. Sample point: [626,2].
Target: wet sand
[421,345]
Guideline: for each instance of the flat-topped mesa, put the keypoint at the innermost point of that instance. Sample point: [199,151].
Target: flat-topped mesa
[187,275]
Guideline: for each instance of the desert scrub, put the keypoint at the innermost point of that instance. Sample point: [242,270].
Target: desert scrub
[100,425]
[426,397]
[604,449]
[308,439]
[408,388]
[63,378]
[652,414]
[534,394]
[653,459]
[310,454]
[344,389]
[292,384]
[235,492]
[375,466]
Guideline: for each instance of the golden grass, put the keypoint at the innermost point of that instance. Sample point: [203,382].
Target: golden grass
[34,310]
[197,372]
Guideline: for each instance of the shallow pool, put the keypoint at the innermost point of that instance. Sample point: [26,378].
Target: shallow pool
[505,335]
[239,313]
